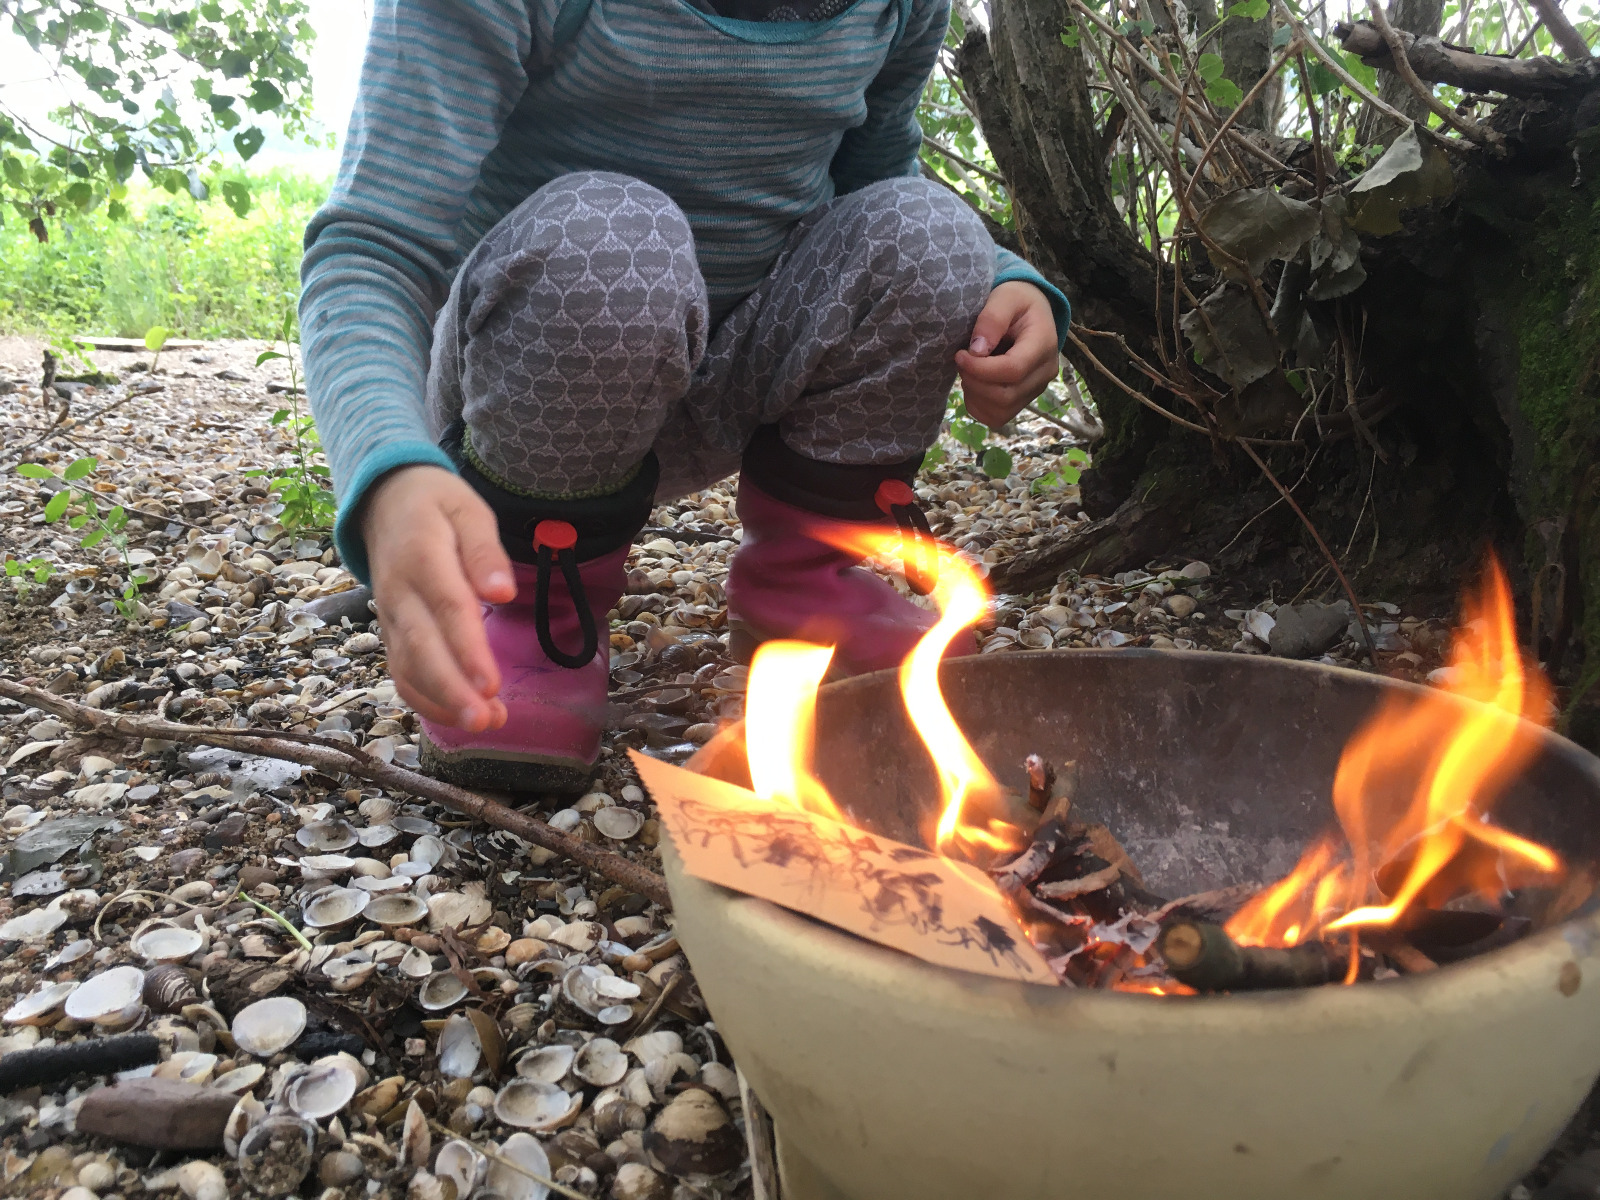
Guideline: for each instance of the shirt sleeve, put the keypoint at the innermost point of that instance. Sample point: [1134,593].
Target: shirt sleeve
[889,142]
[438,82]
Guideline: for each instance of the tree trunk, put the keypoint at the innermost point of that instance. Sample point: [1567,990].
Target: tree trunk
[1478,330]
[1413,16]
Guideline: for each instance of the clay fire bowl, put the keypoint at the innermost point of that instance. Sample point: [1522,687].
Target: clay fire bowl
[889,1079]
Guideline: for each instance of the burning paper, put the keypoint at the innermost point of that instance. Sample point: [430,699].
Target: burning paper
[939,910]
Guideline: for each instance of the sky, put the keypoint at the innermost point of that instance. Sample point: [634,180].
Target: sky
[26,85]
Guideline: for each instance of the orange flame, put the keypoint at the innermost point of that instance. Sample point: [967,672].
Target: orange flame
[780,723]
[1413,792]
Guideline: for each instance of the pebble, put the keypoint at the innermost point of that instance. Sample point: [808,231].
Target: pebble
[186,862]
[252,877]
[229,832]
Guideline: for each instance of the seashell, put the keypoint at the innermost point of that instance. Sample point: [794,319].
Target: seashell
[111,999]
[417,826]
[489,1038]
[618,824]
[374,836]
[326,864]
[460,1163]
[452,910]
[197,1179]
[417,963]
[721,1079]
[239,1081]
[547,1064]
[369,868]
[380,1097]
[441,990]
[269,1025]
[664,1072]
[70,953]
[382,887]
[394,911]
[601,1062]
[616,1116]
[245,1115]
[322,1089]
[593,991]
[347,973]
[327,837]
[301,619]
[277,1153]
[416,1144]
[694,1136]
[34,926]
[635,1181]
[160,943]
[460,1047]
[521,1018]
[615,1014]
[335,907]
[533,1104]
[493,940]
[648,1047]
[42,1006]
[377,809]
[189,1066]
[580,936]
[168,988]
[505,1181]
[426,850]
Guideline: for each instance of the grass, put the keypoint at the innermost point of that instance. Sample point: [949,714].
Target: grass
[190,266]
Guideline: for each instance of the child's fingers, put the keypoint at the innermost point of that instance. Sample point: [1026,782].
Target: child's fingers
[482,556]
[425,670]
[458,622]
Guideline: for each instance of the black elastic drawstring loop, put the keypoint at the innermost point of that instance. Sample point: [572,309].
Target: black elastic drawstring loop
[548,542]
[900,503]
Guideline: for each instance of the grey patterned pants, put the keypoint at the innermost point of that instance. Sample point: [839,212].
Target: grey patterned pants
[577,336]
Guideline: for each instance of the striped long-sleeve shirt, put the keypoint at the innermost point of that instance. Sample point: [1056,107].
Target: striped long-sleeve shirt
[467,107]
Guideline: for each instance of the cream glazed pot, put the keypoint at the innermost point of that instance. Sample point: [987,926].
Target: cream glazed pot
[890,1079]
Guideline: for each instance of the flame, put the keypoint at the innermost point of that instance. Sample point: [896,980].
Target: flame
[1413,793]
[780,723]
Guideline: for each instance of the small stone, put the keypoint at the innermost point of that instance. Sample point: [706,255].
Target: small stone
[1197,570]
[187,862]
[96,1175]
[350,603]
[702,733]
[1180,605]
[229,831]
[79,1193]
[163,1114]
[362,643]
[1305,630]
[253,877]
[339,1168]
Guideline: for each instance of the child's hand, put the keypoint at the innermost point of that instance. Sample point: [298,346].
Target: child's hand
[997,386]
[434,548]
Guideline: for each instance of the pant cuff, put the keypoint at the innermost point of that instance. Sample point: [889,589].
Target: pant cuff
[844,491]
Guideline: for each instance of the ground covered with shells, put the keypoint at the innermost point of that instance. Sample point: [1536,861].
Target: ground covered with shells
[407,1004]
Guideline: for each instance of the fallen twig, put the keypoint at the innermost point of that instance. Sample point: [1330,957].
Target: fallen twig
[337,758]
[44,1065]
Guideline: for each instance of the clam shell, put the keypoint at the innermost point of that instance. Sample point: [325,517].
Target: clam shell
[440,991]
[335,907]
[277,1153]
[615,1014]
[505,1181]
[382,887]
[378,809]
[70,953]
[533,1104]
[460,1163]
[327,837]
[460,1048]
[369,868]
[394,911]
[374,836]
[168,988]
[648,1047]
[322,1089]
[416,825]
[428,850]
[245,1115]
[593,991]
[33,926]
[451,910]
[417,963]
[112,997]
[493,940]
[326,864]
[42,1006]
[189,1066]
[347,972]
[548,1064]
[618,824]
[601,1062]
[162,943]
[269,1025]
[416,1143]
[239,1080]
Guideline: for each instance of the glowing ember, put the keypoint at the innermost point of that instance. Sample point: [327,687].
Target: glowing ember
[780,718]
[1413,794]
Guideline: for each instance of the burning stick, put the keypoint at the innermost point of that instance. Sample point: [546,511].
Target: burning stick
[1203,956]
[1041,781]
[1070,889]
[1049,839]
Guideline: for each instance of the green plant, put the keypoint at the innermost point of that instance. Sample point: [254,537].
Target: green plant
[24,575]
[308,502]
[1067,471]
[154,339]
[102,526]
[996,461]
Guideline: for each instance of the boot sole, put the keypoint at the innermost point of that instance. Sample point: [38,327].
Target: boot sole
[505,770]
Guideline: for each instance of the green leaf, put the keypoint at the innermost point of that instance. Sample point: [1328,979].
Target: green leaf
[1070,35]
[1077,456]
[1209,67]
[93,539]
[1224,93]
[934,457]
[57,506]
[1250,10]
[80,467]
[1322,80]
[81,194]
[1282,36]
[248,142]
[78,522]
[15,175]
[969,433]
[1069,475]
[117,518]
[266,97]
[267,356]
[279,417]
[156,337]
[996,462]
[236,195]
[35,471]
[117,211]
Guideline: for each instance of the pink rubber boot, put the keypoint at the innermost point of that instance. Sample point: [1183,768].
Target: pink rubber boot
[787,580]
[554,692]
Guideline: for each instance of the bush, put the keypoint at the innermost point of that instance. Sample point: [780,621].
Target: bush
[191,266]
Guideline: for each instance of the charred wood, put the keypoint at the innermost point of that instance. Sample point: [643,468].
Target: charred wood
[1206,958]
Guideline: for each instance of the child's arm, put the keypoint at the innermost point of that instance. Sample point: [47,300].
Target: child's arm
[438,81]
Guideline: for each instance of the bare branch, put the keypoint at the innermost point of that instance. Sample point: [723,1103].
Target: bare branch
[1568,38]
[1466,126]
